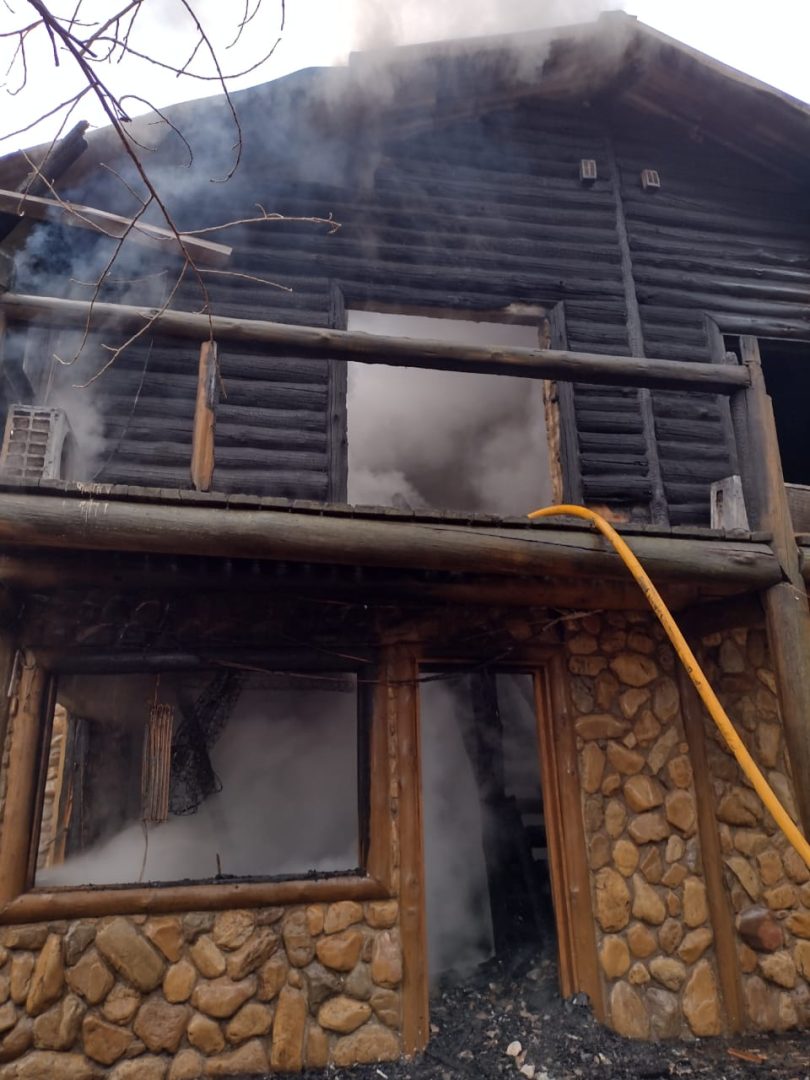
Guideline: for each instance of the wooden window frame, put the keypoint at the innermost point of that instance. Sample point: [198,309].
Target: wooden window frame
[21,902]
[564,461]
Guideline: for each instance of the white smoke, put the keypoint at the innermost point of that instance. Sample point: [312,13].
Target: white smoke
[446,440]
[460,933]
[378,24]
[287,763]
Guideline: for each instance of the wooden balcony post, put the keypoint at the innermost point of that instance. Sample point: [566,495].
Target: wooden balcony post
[787,613]
[202,444]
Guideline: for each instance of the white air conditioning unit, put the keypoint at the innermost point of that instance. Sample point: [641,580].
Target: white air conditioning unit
[34,443]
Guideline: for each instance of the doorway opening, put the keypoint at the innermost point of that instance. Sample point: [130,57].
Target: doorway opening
[487,877]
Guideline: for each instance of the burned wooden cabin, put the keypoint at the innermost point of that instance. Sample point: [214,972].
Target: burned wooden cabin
[302,710]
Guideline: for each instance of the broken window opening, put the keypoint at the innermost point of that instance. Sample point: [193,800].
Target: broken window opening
[488,884]
[192,776]
[786,369]
[421,439]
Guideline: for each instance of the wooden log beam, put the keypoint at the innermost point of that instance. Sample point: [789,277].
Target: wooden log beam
[206,896]
[328,344]
[787,613]
[204,252]
[202,439]
[101,524]
[51,571]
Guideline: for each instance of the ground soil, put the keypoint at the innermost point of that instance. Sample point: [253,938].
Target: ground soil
[473,1022]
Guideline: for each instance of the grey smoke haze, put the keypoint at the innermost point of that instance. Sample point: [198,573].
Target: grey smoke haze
[379,24]
[69,263]
[446,440]
[287,762]
[458,910]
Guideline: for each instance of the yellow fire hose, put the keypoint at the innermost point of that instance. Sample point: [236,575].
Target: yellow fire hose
[693,670]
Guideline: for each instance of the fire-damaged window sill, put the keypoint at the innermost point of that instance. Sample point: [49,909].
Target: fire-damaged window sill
[39,905]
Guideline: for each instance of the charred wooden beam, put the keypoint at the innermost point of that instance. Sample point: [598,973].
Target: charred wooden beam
[105,224]
[101,524]
[397,352]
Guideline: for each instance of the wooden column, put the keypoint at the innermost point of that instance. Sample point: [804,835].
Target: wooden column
[404,701]
[20,810]
[202,444]
[720,910]
[787,613]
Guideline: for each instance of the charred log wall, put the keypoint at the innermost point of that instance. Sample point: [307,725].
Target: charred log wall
[475,215]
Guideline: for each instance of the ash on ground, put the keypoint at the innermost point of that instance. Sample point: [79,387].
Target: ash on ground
[515,1006]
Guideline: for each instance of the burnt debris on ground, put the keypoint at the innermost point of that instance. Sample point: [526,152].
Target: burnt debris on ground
[507,1020]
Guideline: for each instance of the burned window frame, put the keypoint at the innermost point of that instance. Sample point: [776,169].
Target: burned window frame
[561,424]
[372,879]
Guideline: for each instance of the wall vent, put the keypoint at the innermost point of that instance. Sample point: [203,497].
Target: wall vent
[34,443]
[588,173]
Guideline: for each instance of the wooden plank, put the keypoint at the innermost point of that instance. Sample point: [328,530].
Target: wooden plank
[720,909]
[99,524]
[565,831]
[39,905]
[404,699]
[336,345]
[569,443]
[202,439]
[798,497]
[717,352]
[786,606]
[19,814]
[204,252]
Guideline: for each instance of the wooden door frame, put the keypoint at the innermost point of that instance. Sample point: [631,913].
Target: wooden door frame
[565,831]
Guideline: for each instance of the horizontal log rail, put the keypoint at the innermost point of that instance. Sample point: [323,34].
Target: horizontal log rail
[326,344]
[81,903]
[97,524]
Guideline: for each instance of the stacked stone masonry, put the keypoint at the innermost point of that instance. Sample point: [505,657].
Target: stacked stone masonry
[282,989]
[655,937]
[201,994]
[768,883]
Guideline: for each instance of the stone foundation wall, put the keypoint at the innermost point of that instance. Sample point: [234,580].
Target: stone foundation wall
[202,994]
[654,931]
[654,935]
[768,883]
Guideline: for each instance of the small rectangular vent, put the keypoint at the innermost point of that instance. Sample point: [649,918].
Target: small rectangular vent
[650,180]
[34,443]
[587,172]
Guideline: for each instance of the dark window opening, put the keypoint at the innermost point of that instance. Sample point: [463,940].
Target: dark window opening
[488,885]
[786,367]
[199,775]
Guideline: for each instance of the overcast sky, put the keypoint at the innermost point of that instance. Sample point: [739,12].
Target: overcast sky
[769,41]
